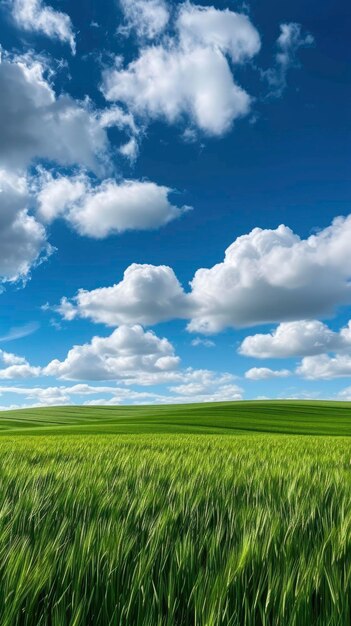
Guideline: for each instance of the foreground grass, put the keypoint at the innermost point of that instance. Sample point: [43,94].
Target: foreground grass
[174,529]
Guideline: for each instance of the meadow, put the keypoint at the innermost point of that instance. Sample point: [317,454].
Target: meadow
[230,514]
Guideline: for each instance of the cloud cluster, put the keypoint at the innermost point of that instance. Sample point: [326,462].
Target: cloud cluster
[326,353]
[35,125]
[266,276]
[35,16]
[188,76]
[61,395]
[130,356]
[185,72]
[209,387]
[107,208]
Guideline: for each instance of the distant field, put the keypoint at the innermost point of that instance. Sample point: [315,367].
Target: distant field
[199,515]
[299,417]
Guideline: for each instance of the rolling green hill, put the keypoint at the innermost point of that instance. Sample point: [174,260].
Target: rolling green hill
[290,417]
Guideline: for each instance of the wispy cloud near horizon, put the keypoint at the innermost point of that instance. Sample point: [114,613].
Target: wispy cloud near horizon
[18,332]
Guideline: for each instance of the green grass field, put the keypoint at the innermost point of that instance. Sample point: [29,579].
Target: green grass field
[200,515]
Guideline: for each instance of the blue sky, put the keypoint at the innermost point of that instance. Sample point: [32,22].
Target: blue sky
[142,139]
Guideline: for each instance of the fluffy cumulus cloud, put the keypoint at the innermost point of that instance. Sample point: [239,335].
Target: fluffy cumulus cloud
[107,208]
[37,124]
[35,16]
[264,373]
[22,237]
[273,275]
[325,367]
[266,276]
[147,18]
[148,294]
[126,353]
[16,367]
[231,33]
[187,76]
[300,338]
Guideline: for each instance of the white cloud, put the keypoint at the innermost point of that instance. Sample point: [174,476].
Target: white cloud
[195,386]
[148,18]
[273,275]
[232,33]
[199,85]
[129,355]
[8,359]
[311,339]
[130,149]
[110,207]
[300,338]
[134,356]
[16,367]
[34,15]
[290,40]
[266,276]
[199,341]
[147,295]
[204,382]
[264,373]
[116,117]
[182,376]
[188,75]
[345,394]
[124,355]
[36,124]
[61,395]
[22,238]
[40,396]
[325,367]
[17,332]
[187,394]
